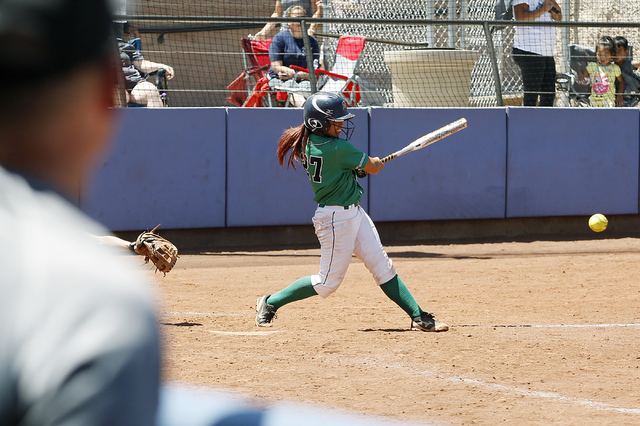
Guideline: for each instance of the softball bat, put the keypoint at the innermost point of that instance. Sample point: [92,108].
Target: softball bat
[430,138]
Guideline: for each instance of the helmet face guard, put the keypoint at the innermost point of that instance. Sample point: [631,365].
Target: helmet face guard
[322,108]
[347,128]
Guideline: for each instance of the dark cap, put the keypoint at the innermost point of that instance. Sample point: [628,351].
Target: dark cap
[44,38]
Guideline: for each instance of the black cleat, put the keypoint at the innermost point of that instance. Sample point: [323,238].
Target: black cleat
[426,322]
[266,312]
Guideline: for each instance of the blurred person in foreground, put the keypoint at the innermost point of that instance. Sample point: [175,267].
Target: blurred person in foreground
[79,342]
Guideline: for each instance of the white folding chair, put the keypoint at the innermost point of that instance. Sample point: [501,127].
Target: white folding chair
[342,78]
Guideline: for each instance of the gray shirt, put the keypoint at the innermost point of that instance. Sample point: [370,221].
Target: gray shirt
[79,342]
[631,80]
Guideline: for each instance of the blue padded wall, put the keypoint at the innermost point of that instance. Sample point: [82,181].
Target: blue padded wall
[259,191]
[189,144]
[565,162]
[459,177]
[223,171]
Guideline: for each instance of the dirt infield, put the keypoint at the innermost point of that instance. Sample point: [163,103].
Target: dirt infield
[543,332]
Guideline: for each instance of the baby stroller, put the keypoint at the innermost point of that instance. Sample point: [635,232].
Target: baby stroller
[577,93]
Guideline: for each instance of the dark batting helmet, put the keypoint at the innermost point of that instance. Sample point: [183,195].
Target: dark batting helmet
[323,107]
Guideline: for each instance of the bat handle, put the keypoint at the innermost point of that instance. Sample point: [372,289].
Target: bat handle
[388,158]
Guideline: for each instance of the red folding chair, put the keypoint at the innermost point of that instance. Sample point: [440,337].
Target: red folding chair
[251,85]
[256,52]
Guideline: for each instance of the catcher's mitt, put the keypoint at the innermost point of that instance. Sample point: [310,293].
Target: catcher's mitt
[156,249]
[361,173]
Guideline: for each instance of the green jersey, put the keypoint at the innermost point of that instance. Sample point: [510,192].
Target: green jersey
[330,164]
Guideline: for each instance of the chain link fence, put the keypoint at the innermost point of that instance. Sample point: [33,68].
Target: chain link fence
[417,53]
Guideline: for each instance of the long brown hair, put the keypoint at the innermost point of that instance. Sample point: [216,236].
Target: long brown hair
[293,139]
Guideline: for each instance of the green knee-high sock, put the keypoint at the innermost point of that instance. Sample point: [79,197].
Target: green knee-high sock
[298,290]
[397,291]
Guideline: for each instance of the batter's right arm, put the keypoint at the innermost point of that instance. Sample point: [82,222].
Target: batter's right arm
[373,166]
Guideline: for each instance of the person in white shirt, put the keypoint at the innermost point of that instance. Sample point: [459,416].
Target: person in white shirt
[533,50]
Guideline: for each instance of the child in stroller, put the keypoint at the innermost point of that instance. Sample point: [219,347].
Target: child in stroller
[576,92]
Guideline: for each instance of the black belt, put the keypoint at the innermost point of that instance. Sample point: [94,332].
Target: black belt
[345,207]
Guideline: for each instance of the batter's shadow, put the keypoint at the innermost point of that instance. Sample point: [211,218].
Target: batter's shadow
[182,324]
[387,330]
[426,255]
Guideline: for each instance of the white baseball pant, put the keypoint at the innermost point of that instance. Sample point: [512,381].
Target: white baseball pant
[343,232]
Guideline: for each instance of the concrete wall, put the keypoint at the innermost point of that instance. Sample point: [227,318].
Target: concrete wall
[220,168]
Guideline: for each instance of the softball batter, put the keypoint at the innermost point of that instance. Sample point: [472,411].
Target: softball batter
[341,225]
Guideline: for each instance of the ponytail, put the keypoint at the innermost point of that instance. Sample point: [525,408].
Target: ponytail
[293,139]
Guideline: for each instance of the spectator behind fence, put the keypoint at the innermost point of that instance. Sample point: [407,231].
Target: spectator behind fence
[138,89]
[283,6]
[288,49]
[622,58]
[132,33]
[79,343]
[603,75]
[533,50]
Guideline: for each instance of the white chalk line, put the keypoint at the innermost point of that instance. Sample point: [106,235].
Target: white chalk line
[227,333]
[547,395]
[437,375]
[556,397]
[547,325]
[244,333]
[228,314]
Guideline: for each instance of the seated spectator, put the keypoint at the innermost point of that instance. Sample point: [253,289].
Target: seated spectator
[603,74]
[627,67]
[138,89]
[133,34]
[287,49]
[282,6]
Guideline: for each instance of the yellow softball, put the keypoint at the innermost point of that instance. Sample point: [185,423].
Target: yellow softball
[598,222]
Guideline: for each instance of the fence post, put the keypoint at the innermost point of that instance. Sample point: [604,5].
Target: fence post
[430,15]
[451,29]
[494,63]
[463,16]
[309,55]
[564,65]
